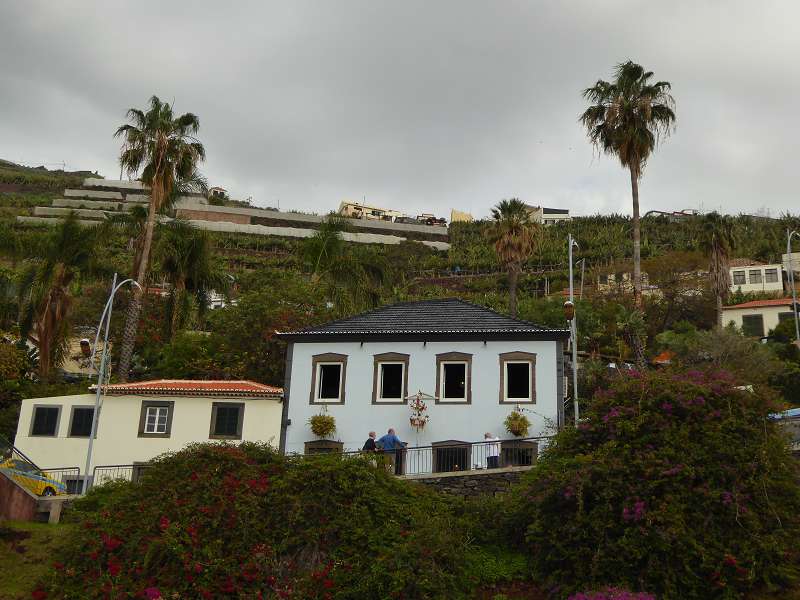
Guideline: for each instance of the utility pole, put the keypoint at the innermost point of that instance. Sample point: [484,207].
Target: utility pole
[573,326]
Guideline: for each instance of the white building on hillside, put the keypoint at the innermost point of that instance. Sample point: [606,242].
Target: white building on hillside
[548,216]
[140,420]
[750,276]
[355,210]
[474,365]
[759,317]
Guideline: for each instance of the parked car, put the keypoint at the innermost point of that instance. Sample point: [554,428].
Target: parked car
[32,478]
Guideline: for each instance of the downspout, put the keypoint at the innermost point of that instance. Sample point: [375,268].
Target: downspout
[287,380]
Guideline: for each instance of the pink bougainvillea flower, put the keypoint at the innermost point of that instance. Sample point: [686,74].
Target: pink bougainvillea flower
[152,593]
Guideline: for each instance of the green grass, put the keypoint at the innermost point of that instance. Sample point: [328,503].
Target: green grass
[27,552]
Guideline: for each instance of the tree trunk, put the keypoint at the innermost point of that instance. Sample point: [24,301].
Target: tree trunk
[178,292]
[513,277]
[135,307]
[719,311]
[637,243]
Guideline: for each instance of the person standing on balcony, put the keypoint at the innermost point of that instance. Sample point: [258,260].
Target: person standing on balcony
[392,449]
[492,450]
[370,445]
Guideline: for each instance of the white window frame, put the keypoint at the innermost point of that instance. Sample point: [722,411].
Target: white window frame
[443,371]
[758,274]
[738,273]
[317,397]
[157,410]
[379,396]
[770,273]
[529,398]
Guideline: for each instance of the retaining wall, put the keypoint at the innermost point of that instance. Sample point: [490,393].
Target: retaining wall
[16,503]
[486,482]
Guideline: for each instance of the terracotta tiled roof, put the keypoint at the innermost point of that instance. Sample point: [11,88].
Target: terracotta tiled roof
[744,262]
[762,303]
[192,387]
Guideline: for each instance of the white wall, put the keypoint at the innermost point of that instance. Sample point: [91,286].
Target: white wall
[770,313]
[762,286]
[117,439]
[464,422]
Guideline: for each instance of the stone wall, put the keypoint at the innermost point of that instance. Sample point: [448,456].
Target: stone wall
[16,503]
[472,483]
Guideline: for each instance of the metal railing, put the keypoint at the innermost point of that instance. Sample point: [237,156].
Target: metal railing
[27,474]
[103,474]
[453,456]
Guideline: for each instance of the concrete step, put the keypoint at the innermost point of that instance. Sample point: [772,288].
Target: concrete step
[95,194]
[115,184]
[97,204]
[86,213]
[52,221]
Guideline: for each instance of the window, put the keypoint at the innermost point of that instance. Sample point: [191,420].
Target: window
[771,275]
[755,275]
[517,377]
[739,278]
[226,420]
[45,420]
[390,378]
[454,377]
[753,325]
[603,279]
[80,423]
[155,419]
[785,316]
[328,376]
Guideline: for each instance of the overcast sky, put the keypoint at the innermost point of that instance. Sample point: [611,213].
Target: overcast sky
[418,105]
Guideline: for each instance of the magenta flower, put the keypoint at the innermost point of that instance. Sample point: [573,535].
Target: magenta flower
[152,593]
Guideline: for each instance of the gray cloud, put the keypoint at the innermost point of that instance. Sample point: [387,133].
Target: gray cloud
[416,104]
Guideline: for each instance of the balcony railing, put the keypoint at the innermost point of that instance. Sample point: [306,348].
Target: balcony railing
[440,457]
[42,481]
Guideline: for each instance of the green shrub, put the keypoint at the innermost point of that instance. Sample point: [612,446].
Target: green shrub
[674,484]
[216,521]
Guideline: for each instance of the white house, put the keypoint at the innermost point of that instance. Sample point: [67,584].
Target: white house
[758,317]
[140,420]
[548,216]
[752,276]
[474,365]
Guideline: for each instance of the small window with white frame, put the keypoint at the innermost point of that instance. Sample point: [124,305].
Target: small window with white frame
[755,275]
[454,378]
[739,278]
[390,378]
[770,275]
[517,377]
[328,378]
[155,419]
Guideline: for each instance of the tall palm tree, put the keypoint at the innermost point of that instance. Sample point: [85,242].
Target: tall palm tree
[627,118]
[717,239]
[513,235]
[45,298]
[187,263]
[162,151]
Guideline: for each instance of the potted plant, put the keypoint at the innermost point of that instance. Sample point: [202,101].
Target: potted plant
[322,425]
[517,424]
[419,412]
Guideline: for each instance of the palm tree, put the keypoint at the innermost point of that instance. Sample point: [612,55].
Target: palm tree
[718,241]
[188,265]
[513,235]
[44,292]
[627,118]
[162,151]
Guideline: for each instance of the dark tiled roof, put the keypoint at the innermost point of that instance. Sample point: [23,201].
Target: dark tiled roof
[448,317]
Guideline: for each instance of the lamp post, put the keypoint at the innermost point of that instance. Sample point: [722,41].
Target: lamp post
[105,321]
[789,235]
[573,329]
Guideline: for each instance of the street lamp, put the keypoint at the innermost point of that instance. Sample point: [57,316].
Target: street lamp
[573,329]
[105,320]
[789,235]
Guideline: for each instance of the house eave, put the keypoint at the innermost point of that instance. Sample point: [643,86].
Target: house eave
[425,336]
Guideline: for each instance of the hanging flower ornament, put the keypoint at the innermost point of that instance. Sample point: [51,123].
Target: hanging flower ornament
[419,411]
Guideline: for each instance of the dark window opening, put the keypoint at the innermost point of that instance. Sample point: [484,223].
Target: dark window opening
[226,422]
[739,278]
[785,316]
[455,380]
[755,276]
[771,275]
[81,422]
[391,380]
[329,381]
[753,325]
[518,380]
[45,420]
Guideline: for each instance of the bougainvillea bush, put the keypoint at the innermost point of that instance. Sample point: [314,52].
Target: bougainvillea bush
[674,484]
[223,521]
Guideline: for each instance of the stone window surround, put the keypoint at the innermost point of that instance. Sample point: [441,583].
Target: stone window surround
[453,357]
[394,358]
[517,357]
[72,418]
[33,420]
[239,425]
[328,358]
[170,404]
